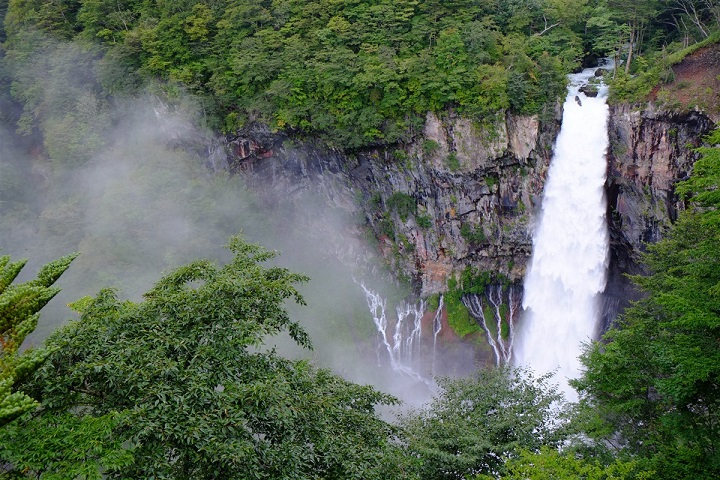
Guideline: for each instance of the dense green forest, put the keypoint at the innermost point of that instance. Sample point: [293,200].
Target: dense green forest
[184,382]
[354,73]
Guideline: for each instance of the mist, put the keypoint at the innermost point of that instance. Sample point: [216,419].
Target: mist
[138,185]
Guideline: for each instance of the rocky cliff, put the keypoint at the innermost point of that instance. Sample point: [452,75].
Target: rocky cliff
[651,149]
[461,194]
[466,194]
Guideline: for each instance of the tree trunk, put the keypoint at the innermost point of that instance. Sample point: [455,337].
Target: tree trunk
[630,50]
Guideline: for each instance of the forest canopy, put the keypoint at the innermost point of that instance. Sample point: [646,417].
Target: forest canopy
[354,73]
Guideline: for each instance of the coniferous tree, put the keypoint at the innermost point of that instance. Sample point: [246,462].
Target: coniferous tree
[19,307]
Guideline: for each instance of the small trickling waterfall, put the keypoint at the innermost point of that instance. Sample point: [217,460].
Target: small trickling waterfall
[570,246]
[496,318]
[437,328]
[403,348]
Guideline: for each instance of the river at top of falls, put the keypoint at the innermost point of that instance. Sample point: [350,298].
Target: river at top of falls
[568,270]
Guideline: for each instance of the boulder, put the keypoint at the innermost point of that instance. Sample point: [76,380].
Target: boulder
[589,90]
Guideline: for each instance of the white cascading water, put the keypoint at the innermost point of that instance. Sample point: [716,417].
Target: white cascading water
[501,342]
[404,346]
[475,307]
[437,328]
[568,270]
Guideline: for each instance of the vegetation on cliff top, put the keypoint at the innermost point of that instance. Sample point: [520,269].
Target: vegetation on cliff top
[653,72]
[654,35]
[352,73]
[355,73]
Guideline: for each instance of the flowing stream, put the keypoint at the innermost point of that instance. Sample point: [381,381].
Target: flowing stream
[570,246]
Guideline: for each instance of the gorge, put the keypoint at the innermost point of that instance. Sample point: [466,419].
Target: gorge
[473,196]
[360,239]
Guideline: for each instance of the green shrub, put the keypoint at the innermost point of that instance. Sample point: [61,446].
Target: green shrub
[424,221]
[625,88]
[505,321]
[459,318]
[473,235]
[386,226]
[667,75]
[430,146]
[400,155]
[433,302]
[406,243]
[453,162]
[403,204]
[475,281]
[490,321]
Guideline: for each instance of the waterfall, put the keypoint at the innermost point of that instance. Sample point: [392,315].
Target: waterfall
[403,349]
[408,331]
[474,305]
[437,328]
[501,337]
[570,246]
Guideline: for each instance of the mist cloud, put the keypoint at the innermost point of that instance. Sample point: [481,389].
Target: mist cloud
[138,187]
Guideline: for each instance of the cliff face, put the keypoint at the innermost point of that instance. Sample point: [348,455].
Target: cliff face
[650,150]
[464,194]
[461,194]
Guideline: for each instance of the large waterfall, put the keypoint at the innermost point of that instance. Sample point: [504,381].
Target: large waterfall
[570,246]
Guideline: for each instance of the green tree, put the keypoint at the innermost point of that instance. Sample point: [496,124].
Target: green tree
[606,33]
[697,15]
[57,16]
[653,386]
[636,15]
[550,464]
[474,424]
[352,73]
[181,386]
[19,307]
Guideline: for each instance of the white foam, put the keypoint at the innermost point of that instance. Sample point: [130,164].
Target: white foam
[568,270]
